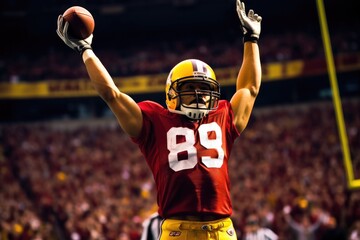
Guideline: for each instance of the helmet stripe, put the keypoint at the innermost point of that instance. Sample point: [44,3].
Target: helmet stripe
[198,66]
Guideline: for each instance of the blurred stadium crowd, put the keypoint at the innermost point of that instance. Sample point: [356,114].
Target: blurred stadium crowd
[87,180]
[155,57]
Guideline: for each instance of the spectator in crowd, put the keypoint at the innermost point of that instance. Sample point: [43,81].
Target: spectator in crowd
[151,227]
[355,231]
[254,231]
[303,229]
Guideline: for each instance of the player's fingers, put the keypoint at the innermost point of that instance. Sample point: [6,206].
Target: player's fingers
[65,30]
[238,6]
[58,33]
[89,39]
[59,26]
[60,21]
[251,13]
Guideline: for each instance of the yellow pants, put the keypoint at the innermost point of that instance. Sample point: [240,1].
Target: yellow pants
[222,229]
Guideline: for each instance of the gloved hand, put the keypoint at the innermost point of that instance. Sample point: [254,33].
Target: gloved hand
[79,45]
[251,24]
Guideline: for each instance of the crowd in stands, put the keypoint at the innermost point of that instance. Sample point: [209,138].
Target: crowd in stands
[154,57]
[86,180]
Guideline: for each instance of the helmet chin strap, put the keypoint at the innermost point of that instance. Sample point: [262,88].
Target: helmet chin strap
[194,111]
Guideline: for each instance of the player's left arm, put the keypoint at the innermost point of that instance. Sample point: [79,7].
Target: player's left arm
[249,77]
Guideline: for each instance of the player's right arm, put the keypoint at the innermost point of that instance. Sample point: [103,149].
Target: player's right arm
[123,106]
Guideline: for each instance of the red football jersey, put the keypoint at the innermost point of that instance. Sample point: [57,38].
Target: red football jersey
[189,160]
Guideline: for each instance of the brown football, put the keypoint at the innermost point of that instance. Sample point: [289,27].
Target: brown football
[81,22]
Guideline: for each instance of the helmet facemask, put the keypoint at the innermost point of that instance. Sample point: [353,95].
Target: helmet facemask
[204,98]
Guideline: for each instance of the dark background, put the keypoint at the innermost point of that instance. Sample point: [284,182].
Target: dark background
[28,28]
[29,24]
[123,22]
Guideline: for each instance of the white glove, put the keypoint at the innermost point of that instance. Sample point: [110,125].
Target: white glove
[251,24]
[79,45]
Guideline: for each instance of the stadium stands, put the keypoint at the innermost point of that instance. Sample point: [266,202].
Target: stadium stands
[160,56]
[87,180]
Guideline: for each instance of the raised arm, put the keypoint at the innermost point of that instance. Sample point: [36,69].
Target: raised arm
[124,107]
[249,77]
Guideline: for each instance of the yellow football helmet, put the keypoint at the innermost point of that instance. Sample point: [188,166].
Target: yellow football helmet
[197,72]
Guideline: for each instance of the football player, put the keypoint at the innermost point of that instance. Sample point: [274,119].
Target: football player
[186,145]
